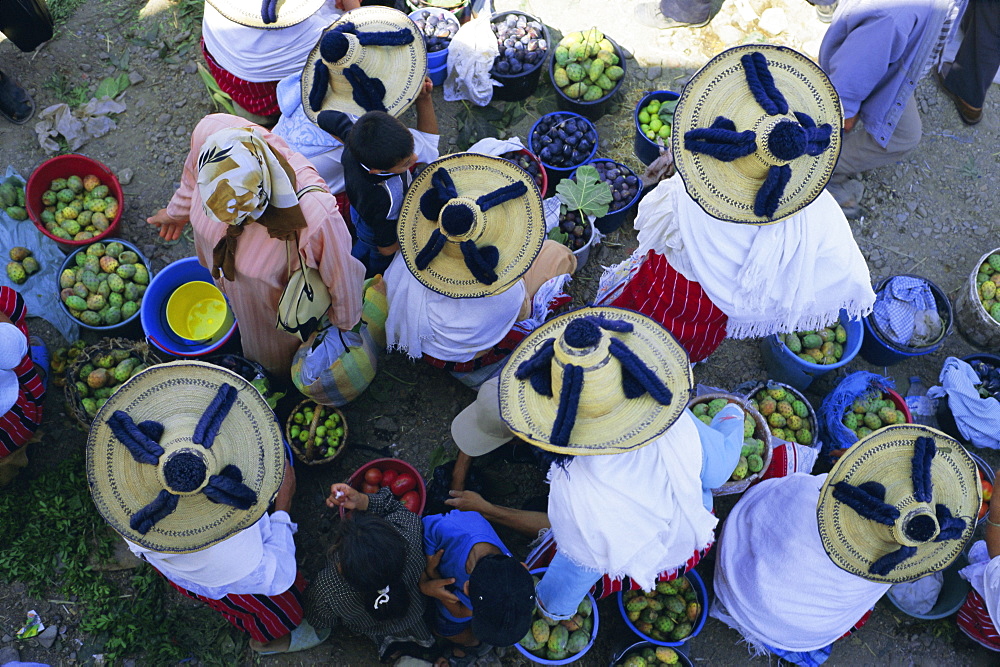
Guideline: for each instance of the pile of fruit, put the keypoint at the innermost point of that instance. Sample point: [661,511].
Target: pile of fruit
[22,264]
[871,413]
[61,359]
[989,379]
[987,487]
[586,66]
[648,657]
[656,119]
[327,437]
[752,455]
[77,208]
[521,42]
[12,198]
[624,184]
[437,27]
[97,379]
[988,285]
[667,613]
[403,485]
[563,141]
[786,414]
[575,230]
[825,346]
[528,163]
[106,285]
[558,640]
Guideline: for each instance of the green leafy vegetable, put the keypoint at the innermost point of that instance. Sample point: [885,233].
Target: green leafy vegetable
[585,192]
[112,86]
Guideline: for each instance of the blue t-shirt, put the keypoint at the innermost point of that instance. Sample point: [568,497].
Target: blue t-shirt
[457,532]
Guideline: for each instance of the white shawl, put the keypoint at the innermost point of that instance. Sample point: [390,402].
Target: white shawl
[983,574]
[776,582]
[422,321]
[789,276]
[636,514]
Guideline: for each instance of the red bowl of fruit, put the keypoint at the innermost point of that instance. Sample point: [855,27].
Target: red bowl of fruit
[528,161]
[402,479]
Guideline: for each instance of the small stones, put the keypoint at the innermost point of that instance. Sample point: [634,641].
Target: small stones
[164,119]
[653,73]
[135,78]
[125,176]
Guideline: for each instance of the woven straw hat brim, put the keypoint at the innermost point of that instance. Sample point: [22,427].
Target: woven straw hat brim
[624,424]
[401,68]
[726,190]
[176,395]
[289,12]
[516,227]
[854,542]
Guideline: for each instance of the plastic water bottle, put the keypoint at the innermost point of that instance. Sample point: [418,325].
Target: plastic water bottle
[922,408]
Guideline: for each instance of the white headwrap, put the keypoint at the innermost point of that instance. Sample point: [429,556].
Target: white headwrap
[634,514]
[13,347]
[793,275]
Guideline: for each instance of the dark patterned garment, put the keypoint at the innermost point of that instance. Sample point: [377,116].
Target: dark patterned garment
[330,602]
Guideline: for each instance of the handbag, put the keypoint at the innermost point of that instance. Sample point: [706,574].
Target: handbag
[305,299]
[27,23]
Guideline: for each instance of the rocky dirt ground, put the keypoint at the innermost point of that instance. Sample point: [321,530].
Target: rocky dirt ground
[932,214]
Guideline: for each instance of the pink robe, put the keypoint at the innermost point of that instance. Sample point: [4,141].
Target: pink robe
[261,262]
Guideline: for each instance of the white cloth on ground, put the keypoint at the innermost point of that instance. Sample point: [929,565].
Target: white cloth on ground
[257,560]
[793,275]
[773,576]
[983,574]
[918,596]
[320,147]
[633,514]
[259,54]
[470,60]
[13,347]
[422,321]
[977,418]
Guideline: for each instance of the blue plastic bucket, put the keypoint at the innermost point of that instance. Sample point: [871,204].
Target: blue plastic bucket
[436,59]
[879,351]
[784,366]
[954,590]
[645,148]
[699,588]
[556,174]
[153,311]
[439,74]
[576,656]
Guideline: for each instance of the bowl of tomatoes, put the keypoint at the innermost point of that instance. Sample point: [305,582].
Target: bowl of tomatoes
[987,478]
[402,479]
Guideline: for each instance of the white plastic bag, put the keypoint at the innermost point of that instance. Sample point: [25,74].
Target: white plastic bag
[470,59]
[920,596]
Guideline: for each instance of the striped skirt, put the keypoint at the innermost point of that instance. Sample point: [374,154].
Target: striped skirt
[263,617]
[21,421]
[974,620]
[260,98]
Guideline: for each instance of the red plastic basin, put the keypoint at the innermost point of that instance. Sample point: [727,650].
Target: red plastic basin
[357,477]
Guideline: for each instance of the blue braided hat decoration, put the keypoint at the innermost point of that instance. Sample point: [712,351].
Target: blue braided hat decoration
[269,11]
[185,471]
[868,500]
[456,218]
[787,140]
[583,333]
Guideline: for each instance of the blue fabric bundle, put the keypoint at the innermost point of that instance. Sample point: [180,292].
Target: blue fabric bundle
[856,385]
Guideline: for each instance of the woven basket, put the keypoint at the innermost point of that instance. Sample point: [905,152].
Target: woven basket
[303,450]
[762,432]
[811,420]
[88,356]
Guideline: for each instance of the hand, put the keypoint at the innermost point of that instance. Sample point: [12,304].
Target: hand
[283,500]
[438,589]
[431,569]
[849,123]
[426,89]
[388,251]
[469,501]
[170,227]
[346,496]
[348,5]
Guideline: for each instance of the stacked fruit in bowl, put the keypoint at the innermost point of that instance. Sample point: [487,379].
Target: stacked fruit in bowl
[399,476]
[101,285]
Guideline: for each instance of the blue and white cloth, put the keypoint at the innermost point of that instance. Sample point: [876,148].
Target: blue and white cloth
[977,418]
[901,307]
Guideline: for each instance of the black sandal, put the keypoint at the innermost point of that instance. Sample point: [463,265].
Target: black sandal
[15,103]
[472,653]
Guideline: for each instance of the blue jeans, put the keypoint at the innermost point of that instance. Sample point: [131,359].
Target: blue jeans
[366,250]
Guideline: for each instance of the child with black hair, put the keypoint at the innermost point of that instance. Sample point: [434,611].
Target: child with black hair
[371,584]
[483,596]
[377,158]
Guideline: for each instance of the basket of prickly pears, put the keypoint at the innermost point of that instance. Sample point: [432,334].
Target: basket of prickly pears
[98,371]
[648,654]
[670,614]
[789,415]
[74,199]
[316,433]
[551,642]
[756,453]
[871,412]
[101,285]
[977,305]
[62,360]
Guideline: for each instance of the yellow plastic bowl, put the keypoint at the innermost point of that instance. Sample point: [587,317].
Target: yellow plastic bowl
[197,311]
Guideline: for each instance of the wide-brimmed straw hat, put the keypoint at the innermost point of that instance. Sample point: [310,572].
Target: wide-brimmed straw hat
[471,225]
[269,15]
[756,133]
[595,381]
[899,504]
[184,455]
[370,59]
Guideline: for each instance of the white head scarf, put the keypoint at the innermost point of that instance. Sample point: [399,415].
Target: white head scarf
[13,347]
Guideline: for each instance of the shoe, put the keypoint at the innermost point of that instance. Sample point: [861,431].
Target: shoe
[649,15]
[969,114]
[15,103]
[825,12]
[302,638]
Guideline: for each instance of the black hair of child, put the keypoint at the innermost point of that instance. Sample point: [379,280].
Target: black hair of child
[379,141]
[371,553]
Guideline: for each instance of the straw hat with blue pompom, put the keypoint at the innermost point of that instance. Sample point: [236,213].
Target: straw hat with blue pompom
[184,455]
[269,14]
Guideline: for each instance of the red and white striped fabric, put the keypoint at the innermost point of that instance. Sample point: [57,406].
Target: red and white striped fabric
[263,617]
[974,620]
[19,423]
[658,291]
[258,98]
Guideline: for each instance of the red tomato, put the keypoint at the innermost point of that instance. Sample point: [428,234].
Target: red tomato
[373,476]
[987,490]
[403,483]
[370,488]
[412,501]
[388,477]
